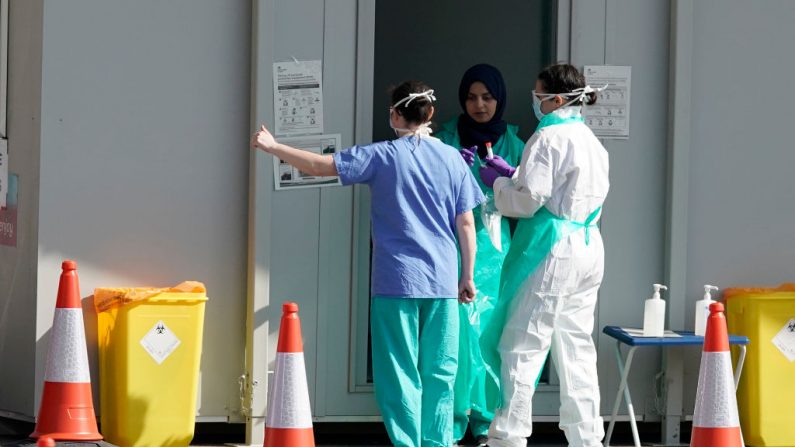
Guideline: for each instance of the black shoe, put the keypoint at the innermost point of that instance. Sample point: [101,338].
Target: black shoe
[481,441]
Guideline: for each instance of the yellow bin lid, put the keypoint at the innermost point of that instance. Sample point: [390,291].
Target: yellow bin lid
[787,288]
[108,297]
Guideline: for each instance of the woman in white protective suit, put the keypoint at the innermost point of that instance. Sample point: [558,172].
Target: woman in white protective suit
[554,268]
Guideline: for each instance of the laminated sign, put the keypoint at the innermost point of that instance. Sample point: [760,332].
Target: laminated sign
[785,340]
[298,97]
[160,342]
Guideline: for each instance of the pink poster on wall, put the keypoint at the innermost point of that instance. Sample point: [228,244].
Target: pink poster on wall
[8,214]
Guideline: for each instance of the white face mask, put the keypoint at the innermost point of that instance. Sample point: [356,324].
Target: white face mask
[390,122]
[537,108]
[423,129]
[397,129]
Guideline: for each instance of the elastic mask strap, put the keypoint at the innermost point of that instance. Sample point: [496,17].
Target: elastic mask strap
[427,94]
[423,130]
[581,94]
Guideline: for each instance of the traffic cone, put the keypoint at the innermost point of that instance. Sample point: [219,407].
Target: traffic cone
[67,411]
[289,422]
[716,422]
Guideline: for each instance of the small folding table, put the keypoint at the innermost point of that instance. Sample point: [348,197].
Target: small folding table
[634,339]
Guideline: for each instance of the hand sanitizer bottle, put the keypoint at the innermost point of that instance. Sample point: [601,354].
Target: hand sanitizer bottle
[702,310]
[654,314]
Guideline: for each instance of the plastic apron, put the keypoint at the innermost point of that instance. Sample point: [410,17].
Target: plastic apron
[474,388]
[532,241]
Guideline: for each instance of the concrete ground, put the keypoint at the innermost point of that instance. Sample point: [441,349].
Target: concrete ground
[16,442]
[14,434]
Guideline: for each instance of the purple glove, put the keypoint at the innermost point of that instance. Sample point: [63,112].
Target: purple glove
[489,175]
[469,154]
[500,166]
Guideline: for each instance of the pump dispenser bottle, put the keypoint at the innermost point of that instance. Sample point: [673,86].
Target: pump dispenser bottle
[702,310]
[654,314]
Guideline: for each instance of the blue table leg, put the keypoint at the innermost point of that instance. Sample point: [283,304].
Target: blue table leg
[623,369]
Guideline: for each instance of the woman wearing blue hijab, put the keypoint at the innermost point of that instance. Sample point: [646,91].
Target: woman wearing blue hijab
[482,95]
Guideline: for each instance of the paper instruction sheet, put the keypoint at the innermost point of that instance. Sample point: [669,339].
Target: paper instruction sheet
[8,213]
[3,172]
[609,117]
[287,176]
[298,97]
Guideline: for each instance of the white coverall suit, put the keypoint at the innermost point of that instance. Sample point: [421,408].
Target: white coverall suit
[565,169]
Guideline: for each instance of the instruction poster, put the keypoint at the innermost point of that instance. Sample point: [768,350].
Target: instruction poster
[298,97]
[3,172]
[288,177]
[8,214]
[609,117]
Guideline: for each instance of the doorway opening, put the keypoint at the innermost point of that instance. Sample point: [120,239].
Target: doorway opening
[436,42]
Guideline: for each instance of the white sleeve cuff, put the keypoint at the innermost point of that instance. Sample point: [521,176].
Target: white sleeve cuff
[500,183]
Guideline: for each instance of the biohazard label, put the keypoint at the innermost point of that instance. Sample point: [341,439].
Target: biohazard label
[785,340]
[160,342]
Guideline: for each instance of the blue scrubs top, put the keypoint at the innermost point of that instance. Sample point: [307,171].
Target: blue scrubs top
[418,188]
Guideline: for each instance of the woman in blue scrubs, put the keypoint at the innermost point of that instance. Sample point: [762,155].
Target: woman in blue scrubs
[422,196]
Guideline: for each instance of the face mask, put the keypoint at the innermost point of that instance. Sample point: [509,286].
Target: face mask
[422,129]
[389,120]
[537,108]
[397,130]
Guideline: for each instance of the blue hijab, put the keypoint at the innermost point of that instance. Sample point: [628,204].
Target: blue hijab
[470,132]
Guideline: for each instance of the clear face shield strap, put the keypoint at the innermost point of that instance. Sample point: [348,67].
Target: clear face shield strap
[423,129]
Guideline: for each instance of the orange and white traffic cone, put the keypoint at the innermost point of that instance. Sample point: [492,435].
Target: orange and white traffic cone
[716,422]
[67,411]
[289,422]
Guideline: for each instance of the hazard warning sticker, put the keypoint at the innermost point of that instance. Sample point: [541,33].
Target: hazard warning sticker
[785,340]
[160,342]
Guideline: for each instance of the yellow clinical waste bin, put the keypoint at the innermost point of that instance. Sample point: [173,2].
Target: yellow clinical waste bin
[149,350]
[767,387]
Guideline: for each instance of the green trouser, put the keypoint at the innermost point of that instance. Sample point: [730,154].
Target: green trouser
[415,356]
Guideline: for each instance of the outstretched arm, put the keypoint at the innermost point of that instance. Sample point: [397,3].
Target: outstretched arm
[308,162]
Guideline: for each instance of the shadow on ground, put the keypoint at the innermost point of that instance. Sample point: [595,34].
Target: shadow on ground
[14,434]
